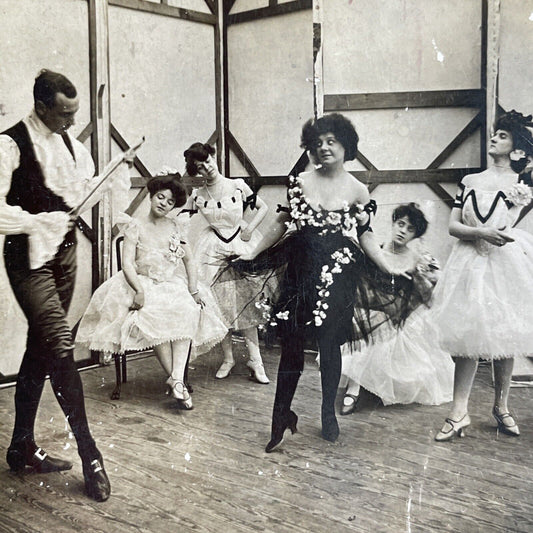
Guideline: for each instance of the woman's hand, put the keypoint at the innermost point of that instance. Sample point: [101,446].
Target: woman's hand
[197,297]
[246,233]
[396,271]
[496,237]
[138,301]
[247,257]
[361,216]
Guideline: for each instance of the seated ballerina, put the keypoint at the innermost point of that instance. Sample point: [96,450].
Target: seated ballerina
[152,302]
[403,363]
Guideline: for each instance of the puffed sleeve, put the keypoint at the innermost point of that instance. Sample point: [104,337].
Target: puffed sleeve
[182,225]
[131,231]
[459,196]
[249,197]
[13,220]
[128,226]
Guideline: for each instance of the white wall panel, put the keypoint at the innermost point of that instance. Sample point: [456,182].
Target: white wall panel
[407,45]
[411,139]
[31,41]
[162,83]
[270,65]
[516,55]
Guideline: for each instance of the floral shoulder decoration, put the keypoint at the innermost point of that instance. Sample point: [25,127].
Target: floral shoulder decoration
[519,195]
[302,214]
[175,250]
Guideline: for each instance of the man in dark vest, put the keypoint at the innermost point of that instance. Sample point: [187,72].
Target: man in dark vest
[44,173]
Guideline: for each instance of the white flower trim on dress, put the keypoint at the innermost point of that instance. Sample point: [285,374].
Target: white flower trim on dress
[519,195]
[339,257]
[175,249]
[266,307]
[302,214]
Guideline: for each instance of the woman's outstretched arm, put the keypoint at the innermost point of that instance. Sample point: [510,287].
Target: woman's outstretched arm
[271,237]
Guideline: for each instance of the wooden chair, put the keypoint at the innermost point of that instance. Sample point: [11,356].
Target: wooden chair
[121,375]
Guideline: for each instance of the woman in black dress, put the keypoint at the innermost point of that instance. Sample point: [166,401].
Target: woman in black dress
[320,266]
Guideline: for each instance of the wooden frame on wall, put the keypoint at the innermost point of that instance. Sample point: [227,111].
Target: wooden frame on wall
[99,41]
[433,175]
[102,132]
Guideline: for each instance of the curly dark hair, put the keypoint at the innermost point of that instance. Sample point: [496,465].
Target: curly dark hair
[335,123]
[170,182]
[197,152]
[48,84]
[517,125]
[415,216]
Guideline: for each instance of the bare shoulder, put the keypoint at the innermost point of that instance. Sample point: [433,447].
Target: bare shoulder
[306,176]
[308,180]
[360,190]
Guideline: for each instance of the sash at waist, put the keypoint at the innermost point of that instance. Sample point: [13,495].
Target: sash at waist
[224,239]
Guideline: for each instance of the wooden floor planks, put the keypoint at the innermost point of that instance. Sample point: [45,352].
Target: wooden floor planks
[206,471]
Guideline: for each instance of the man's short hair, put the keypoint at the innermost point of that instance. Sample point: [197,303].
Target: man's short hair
[48,84]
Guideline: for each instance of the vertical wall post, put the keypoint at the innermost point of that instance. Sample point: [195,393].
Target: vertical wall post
[225,9]
[100,118]
[219,83]
[491,22]
[318,75]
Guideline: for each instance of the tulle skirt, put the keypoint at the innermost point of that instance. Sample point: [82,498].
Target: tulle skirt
[236,297]
[169,313]
[483,302]
[296,263]
[403,364]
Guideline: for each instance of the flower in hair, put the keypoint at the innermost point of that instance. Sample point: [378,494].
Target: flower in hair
[167,171]
[517,155]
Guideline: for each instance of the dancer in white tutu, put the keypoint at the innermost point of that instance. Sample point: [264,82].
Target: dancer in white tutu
[222,202]
[403,362]
[154,301]
[483,302]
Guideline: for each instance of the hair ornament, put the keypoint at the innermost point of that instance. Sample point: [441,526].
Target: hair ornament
[168,171]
